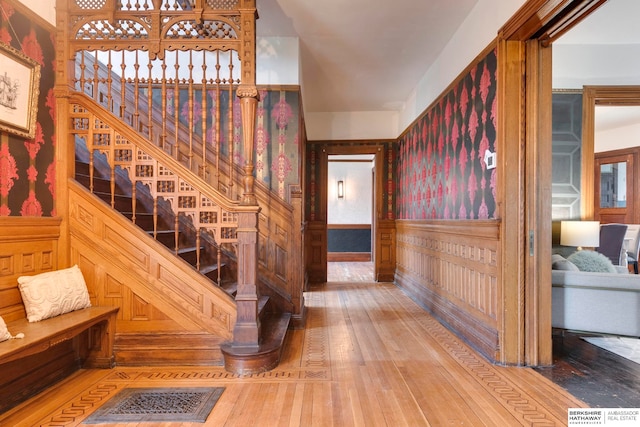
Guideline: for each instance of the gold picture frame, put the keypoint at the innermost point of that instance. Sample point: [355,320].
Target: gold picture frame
[19,91]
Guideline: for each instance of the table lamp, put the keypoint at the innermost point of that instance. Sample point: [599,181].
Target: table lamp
[580,234]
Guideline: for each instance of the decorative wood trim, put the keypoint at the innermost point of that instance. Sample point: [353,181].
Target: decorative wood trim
[348,256]
[592,96]
[538,152]
[524,71]
[348,226]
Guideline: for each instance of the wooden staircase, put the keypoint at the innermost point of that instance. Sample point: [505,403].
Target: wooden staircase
[180,237]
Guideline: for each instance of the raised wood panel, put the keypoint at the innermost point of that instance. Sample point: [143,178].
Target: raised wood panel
[146,281]
[28,246]
[386,251]
[316,251]
[452,270]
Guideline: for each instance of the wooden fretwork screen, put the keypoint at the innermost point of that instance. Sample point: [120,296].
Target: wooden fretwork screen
[176,71]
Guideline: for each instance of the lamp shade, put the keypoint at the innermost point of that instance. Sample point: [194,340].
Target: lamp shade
[580,233]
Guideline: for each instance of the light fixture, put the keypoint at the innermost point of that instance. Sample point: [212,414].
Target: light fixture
[340,189]
[580,234]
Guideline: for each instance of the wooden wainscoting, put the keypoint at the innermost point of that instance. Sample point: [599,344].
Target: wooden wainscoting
[169,313]
[29,246]
[316,251]
[451,269]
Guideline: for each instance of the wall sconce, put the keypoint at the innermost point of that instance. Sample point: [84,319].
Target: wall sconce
[341,189]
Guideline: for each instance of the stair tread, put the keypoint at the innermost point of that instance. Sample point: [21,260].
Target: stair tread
[209,268]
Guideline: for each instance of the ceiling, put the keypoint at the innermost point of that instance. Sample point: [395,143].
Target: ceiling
[355,56]
[355,52]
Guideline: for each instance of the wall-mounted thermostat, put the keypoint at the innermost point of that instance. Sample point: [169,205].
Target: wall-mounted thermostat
[490,159]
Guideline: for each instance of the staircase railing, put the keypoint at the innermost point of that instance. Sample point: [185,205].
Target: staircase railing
[206,153]
[230,222]
[166,179]
[181,74]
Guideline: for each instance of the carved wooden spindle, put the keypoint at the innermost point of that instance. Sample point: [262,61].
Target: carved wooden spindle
[190,105]
[198,243]
[136,91]
[205,110]
[123,86]
[248,102]
[176,106]
[217,142]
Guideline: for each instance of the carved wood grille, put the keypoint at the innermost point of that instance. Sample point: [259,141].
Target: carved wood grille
[147,177]
[170,69]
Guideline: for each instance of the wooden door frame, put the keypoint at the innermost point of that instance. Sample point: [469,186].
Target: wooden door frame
[375,149]
[524,148]
[629,157]
[592,96]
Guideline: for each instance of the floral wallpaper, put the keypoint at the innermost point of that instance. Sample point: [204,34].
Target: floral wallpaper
[27,167]
[441,169]
[277,131]
[313,156]
[277,140]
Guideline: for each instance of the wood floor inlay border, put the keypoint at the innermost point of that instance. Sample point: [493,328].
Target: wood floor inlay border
[512,396]
[368,355]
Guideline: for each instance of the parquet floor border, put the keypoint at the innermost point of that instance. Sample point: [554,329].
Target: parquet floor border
[352,365]
[488,375]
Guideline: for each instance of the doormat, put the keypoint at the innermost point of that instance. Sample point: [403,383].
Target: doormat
[168,404]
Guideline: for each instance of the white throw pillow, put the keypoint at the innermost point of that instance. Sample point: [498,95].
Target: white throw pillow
[4,332]
[53,293]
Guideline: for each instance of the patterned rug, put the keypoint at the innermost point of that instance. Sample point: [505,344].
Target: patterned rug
[158,404]
[627,347]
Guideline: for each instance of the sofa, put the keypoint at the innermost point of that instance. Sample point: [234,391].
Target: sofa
[602,302]
[605,302]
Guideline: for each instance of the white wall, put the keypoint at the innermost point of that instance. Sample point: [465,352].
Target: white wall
[474,35]
[44,8]
[356,206]
[278,61]
[352,125]
[618,138]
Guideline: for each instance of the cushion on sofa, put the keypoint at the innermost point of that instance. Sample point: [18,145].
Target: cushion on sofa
[558,262]
[592,261]
[53,293]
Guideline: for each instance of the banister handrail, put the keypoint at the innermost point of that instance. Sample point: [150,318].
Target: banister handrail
[131,135]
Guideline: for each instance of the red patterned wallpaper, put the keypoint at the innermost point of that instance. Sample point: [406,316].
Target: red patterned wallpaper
[441,168]
[27,167]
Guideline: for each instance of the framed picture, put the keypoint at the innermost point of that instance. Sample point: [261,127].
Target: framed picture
[19,91]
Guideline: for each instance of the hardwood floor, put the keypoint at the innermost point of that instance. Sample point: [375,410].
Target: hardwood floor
[600,378]
[369,356]
[350,272]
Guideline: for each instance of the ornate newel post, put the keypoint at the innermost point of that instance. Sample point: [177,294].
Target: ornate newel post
[246,332]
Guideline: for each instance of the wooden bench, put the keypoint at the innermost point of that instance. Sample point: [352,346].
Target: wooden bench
[52,349]
[96,350]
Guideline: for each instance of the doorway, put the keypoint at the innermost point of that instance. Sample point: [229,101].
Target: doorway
[350,218]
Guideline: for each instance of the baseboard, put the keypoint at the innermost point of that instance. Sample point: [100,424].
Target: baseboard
[349,256]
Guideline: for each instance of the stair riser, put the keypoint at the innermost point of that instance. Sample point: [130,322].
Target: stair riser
[100,185]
